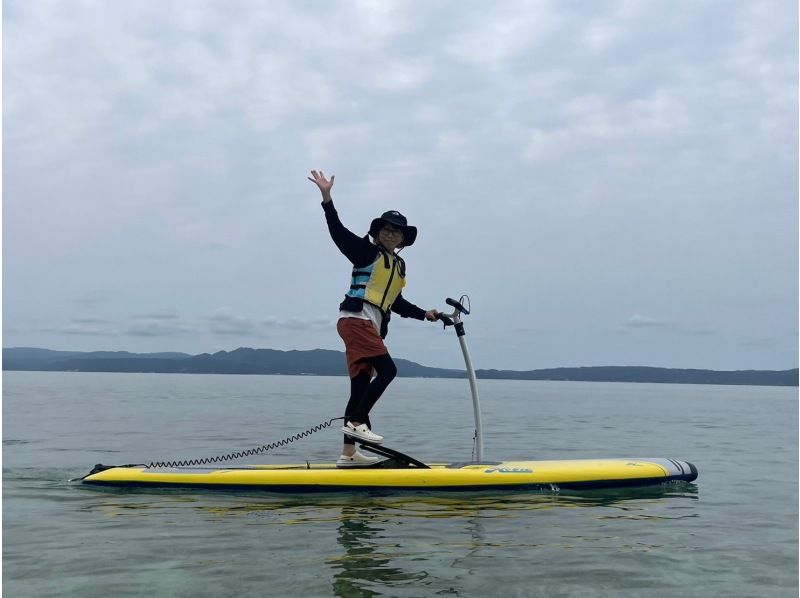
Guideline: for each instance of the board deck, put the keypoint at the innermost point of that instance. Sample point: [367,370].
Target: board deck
[310,477]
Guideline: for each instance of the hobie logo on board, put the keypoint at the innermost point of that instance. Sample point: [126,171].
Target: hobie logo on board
[508,470]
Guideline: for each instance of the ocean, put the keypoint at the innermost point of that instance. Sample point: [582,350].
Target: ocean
[732,533]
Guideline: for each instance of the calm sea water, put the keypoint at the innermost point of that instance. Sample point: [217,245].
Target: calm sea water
[733,533]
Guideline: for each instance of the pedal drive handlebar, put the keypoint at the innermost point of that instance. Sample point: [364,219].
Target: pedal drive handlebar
[446,319]
[457,305]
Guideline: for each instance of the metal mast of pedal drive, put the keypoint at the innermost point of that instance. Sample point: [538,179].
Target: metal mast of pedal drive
[473,386]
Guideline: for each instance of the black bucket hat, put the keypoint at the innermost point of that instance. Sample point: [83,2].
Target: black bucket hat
[394,218]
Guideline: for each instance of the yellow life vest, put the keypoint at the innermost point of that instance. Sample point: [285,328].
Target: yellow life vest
[381,282]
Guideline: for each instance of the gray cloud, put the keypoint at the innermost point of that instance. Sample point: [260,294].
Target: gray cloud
[157,327]
[761,343]
[78,328]
[223,322]
[564,160]
[639,321]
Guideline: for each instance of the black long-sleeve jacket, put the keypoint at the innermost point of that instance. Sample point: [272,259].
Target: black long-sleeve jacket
[362,252]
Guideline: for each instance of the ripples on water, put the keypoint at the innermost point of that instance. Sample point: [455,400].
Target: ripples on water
[731,534]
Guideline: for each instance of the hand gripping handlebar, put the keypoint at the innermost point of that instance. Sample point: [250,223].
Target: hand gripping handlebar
[459,309]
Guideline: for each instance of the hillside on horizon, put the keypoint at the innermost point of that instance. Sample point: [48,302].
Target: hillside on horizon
[325,362]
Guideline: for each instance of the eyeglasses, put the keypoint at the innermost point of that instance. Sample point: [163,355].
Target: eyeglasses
[391,231]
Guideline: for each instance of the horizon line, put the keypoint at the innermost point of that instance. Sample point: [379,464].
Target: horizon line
[404,359]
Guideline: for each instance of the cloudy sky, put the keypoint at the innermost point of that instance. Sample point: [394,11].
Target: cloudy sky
[611,182]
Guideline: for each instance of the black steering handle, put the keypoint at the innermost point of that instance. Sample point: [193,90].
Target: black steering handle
[457,305]
[446,319]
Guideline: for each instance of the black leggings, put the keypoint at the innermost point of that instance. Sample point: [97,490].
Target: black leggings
[364,394]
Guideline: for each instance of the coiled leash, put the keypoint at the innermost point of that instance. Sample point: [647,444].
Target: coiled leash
[245,453]
[219,458]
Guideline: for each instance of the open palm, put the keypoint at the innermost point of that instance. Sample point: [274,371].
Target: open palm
[321,182]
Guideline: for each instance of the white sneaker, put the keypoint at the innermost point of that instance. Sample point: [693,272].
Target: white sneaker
[356,460]
[362,432]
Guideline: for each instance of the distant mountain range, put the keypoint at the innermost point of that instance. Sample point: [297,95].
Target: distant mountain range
[323,362]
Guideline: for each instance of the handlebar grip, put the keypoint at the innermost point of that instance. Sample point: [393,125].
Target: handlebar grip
[457,305]
[447,321]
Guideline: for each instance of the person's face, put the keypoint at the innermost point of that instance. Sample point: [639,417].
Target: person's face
[390,237]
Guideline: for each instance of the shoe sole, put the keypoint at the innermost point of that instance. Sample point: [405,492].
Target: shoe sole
[359,436]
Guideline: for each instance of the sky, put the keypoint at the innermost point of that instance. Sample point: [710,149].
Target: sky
[610,182]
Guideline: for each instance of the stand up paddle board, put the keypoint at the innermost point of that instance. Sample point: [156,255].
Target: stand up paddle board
[398,471]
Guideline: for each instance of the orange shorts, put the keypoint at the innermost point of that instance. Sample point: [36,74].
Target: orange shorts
[361,341]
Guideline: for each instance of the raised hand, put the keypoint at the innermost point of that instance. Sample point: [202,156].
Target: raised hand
[324,184]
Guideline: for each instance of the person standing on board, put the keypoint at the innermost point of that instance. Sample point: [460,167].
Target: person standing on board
[376,284]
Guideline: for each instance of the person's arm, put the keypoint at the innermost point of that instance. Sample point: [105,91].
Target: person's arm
[357,249]
[406,309]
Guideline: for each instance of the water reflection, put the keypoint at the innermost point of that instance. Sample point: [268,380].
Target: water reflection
[309,508]
[371,561]
[368,557]
[385,544]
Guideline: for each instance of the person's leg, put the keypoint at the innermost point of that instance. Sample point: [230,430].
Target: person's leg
[385,371]
[358,386]
[364,349]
